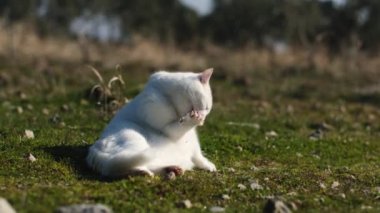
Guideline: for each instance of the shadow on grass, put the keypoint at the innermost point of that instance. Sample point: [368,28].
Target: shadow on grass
[75,156]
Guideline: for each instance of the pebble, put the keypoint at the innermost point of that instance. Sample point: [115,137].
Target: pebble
[271,134]
[225,197]
[335,185]
[84,208]
[29,134]
[45,111]
[230,169]
[256,186]
[241,186]
[19,110]
[5,207]
[217,209]
[322,185]
[186,204]
[31,158]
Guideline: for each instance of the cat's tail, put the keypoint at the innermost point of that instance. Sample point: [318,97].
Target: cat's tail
[115,165]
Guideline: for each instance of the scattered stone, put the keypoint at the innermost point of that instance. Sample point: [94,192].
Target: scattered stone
[84,208]
[290,109]
[217,209]
[322,185]
[29,107]
[256,186]
[271,134]
[316,135]
[239,148]
[31,158]
[377,189]
[241,186]
[254,168]
[65,108]
[5,207]
[45,111]
[335,185]
[342,195]
[225,197]
[366,207]
[230,169]
[276,206]
[19,110]
[29,134]
[22,96]
[292,194]
[186,204]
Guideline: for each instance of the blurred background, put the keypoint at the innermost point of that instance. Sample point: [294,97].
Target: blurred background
[338,38]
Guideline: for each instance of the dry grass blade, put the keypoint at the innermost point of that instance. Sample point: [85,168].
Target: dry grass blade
[96,72]
[113,79]
[94,88]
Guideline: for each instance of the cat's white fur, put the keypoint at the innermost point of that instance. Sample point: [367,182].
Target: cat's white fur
[157,129]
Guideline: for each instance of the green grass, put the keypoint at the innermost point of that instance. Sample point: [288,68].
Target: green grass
[290,165]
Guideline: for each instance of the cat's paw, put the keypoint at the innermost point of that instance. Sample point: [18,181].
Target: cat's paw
[178,171]
[210,167]
[193,117]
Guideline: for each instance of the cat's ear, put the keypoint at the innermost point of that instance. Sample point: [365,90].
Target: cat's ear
[206,75]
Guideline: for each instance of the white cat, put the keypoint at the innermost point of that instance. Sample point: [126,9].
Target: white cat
[156,131]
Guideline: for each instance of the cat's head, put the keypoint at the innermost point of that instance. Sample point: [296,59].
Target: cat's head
[200,91]
[188,90]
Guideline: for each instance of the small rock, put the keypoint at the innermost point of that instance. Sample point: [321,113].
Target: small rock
[299,155]
[322,185]
[271,134]
[217,209]
[256,186]
[186,204]
[377,189]
[170,176]
[19,110]
[31,158]
[239,148]
[342,195]
[290,109]
[45,111]
[84,208]
[256,126]
[292,194]
[29,134]
[29,107]
[241,186]
[335,185]
[254,168]
[276,206]
[5,207]
[366,207]
[65,107]
[230,169]
[225,197]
